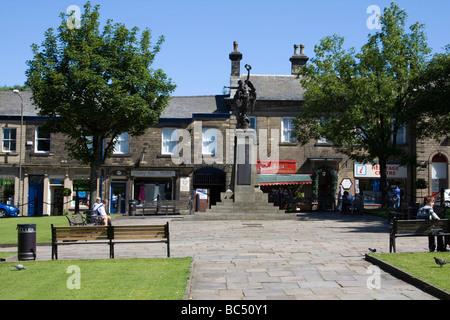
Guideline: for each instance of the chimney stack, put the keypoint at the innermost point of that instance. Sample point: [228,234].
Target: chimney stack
[298,60]
[235,58]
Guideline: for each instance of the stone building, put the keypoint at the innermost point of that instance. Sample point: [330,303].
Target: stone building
[189,155]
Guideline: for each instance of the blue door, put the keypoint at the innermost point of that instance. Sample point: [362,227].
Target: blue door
[35,195]
[117,200]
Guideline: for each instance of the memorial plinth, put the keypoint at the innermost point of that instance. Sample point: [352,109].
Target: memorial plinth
[246,201]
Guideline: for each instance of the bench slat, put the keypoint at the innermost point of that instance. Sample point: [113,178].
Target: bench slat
[110,235]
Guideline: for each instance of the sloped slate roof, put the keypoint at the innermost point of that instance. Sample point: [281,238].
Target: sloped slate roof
[185,107]
[10,104]
[276,87]
[179,107]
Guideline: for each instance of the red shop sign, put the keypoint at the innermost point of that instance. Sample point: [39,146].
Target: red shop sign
[276,167]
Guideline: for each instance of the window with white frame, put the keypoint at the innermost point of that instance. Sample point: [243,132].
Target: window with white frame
[322,140]
[9,139]
[287,128]
[209,141]
[42,141]
[401,135]
[169,141]
[122,144]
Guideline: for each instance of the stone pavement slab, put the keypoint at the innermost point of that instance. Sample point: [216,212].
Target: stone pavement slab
[320,256]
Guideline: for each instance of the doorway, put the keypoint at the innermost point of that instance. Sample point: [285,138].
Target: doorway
[325,186]
[213,181]
[35,195]
[57,202]
[118,191]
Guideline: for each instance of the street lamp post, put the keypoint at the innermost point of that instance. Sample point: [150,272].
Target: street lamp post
[20,201]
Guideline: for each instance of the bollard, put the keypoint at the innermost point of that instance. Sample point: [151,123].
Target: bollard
[26,242]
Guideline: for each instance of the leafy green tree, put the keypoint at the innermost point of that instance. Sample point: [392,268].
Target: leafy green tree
[360,101]
[433,97]
[96,85]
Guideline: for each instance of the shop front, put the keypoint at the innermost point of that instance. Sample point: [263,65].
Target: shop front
[367,182]
[150,186]
[285,188]
[7,188]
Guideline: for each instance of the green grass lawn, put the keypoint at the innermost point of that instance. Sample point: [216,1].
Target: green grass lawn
[8,227]
[421,265]
[111,279]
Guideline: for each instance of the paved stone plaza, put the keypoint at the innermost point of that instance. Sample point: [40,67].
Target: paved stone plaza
[316,256]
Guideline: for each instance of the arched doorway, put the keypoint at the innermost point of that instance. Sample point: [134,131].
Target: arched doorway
[439,174]
[325,187]
[209,182]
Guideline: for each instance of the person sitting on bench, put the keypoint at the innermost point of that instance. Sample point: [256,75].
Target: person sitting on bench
[101,210]
[426,212]
[347,202]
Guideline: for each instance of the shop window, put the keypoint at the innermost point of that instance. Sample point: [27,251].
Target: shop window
[7,190]
[9,140]
[152,189]
[42,143]
[81,192]
[438,173]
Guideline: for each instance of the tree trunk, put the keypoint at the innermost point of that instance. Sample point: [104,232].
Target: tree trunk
[97,146]
[93,184]
[383,182]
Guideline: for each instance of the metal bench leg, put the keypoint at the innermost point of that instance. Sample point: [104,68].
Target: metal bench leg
[54,252]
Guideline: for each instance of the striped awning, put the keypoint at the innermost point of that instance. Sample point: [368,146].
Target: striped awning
[283,179]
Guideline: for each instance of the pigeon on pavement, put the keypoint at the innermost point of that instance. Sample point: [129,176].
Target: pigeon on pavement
[440,261]
[373,250]
[19,267]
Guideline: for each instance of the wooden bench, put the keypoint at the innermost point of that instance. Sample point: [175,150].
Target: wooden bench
[417,228]
[109,235]
[166,206]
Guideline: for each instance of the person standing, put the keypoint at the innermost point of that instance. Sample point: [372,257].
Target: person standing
[340,195]
[396,197]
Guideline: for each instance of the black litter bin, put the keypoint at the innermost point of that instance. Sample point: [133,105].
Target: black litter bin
[26,242]
[91,216]
[132,209]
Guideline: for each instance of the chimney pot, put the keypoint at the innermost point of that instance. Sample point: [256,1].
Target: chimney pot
[235,45]
[298,60]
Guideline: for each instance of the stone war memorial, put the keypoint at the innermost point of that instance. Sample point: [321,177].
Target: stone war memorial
[244,199]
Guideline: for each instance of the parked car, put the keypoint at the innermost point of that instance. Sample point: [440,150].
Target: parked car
[8,211]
